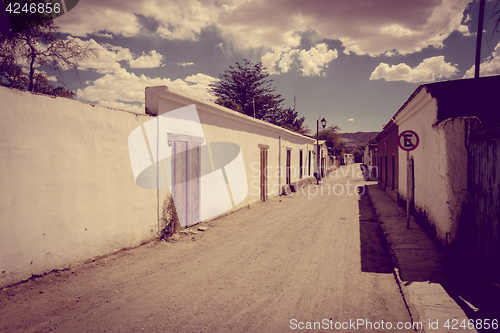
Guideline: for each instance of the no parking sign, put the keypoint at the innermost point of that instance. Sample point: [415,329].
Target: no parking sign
[408,140]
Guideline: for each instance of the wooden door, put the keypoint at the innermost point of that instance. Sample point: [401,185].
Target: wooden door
[288,162]
[193,183]
[263,174]
[309,164]
[186,182]
[300,165]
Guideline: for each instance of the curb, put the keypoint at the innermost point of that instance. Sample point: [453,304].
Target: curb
[420,279]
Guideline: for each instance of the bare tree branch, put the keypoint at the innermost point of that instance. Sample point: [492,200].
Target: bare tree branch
[39,47]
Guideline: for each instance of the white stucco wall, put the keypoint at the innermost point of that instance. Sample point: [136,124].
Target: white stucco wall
[223,125]
[67,189]
[440,164]
[68,183]
[455,133]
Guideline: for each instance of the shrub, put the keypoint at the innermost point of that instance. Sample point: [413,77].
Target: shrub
[169,219]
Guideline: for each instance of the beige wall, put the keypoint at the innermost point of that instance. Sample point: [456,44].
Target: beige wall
[224,125]
[67,189]
[440,164]
[430,161]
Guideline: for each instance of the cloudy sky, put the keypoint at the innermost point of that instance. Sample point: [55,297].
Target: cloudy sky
[354,61]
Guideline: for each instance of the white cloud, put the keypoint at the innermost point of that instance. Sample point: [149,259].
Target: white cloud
[286,60]
[491,66]
[104,35]
[176,19]
[201,79]
[280,60]
[183,19]
[405,30]
[134,107]
[109,57]
[115,17]
[269,61]
[316,59]
[124,87]
[184,63]
[152,60]
[310,63]
[364,27]
[396,30]
[427,71]
[350,119]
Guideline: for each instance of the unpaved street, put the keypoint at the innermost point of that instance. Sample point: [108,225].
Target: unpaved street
[273,267]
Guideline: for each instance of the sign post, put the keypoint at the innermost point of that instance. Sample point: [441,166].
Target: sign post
[408,140]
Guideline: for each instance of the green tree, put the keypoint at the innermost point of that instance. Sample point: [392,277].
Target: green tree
[358,155]
[228,103]
[335,144]
[247,85]
[42,85]
[246,88]
[22,53]
[288,118]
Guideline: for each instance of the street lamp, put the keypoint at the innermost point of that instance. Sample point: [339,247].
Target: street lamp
[323,123]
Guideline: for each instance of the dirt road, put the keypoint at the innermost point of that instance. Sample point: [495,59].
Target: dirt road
[277,266]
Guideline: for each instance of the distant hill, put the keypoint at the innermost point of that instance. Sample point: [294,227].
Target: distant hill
[353,140]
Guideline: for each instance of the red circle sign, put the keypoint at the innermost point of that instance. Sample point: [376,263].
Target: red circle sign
[408,140]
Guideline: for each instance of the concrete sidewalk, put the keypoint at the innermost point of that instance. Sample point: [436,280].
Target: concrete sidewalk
[419,267]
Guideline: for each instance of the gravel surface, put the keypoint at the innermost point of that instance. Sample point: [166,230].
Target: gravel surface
[277,266]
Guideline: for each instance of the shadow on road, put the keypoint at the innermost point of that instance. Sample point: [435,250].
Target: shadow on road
[465,283]
[375,257]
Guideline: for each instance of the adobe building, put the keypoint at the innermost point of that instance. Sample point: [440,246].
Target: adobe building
[369,160]
[387,159]
[81,180]
[444,115]
[271,157]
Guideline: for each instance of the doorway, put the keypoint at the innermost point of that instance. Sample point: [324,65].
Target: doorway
[185,170]
[309,164]
[288,162]
[300,165]
[263,174]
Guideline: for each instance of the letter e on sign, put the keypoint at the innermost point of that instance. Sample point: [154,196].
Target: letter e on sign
[408,140]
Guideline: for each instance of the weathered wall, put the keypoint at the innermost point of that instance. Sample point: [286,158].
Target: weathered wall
[223,125]
[324,161]
[348,159]
[440,164]
[480,226]
[68,186]
[388,149]
[456,134]
[68,193]
[333,162]
[370,160]
[431,192]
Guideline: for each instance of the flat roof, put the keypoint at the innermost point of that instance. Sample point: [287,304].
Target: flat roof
[464,98]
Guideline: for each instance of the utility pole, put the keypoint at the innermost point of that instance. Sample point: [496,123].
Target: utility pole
[479,37]
[294,98]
